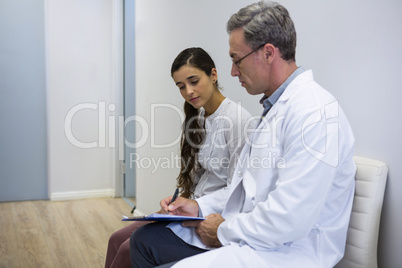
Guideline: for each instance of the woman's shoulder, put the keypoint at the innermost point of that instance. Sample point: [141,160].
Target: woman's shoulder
[233,109]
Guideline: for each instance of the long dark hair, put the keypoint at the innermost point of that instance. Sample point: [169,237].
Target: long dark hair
[193,130]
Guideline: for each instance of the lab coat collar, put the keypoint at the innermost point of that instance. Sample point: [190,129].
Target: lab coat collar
[291,89]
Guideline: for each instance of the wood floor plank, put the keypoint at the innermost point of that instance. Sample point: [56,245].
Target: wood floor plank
[84,232]
[32,247]
[91,226]
[58,237]
[58,234]
[8,238]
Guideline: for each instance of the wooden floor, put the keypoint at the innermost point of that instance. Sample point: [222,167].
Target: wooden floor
[58,234]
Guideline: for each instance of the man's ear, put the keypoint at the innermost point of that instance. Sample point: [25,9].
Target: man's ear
[269,52]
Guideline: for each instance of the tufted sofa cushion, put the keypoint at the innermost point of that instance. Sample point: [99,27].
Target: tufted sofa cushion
[362,238]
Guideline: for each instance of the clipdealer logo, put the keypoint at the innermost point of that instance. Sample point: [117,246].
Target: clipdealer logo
[323,147]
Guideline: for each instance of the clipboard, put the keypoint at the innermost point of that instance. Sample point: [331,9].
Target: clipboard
[162,217]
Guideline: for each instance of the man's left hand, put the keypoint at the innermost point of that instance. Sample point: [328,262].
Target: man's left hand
[207,229]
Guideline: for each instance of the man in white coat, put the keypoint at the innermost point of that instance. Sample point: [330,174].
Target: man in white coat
[290,199]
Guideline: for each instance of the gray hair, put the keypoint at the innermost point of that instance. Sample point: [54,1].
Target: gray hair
[266,22]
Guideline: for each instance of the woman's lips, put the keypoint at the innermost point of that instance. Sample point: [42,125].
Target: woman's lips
[194,99]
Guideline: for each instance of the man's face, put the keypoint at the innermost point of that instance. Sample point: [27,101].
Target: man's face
[251,70]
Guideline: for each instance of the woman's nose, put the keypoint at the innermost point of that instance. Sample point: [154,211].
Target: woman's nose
[189,91]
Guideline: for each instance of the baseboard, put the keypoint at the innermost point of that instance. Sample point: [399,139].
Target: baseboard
[138,213]
[62,196]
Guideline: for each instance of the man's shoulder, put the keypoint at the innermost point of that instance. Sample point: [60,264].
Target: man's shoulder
[304,90]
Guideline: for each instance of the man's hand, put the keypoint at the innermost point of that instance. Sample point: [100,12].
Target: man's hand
[182,206]
[207,229]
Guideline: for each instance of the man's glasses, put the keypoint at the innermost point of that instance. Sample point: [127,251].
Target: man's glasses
[239,60]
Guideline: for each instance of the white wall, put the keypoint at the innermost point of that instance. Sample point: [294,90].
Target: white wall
[83,63]
[353,48]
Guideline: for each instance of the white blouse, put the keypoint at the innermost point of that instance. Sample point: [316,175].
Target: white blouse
[226,132]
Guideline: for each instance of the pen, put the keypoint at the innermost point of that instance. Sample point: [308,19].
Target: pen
[176,193]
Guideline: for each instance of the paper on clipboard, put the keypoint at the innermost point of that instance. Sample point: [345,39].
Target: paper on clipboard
[162,217]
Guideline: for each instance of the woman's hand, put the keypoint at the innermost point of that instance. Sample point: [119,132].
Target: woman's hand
[181,206]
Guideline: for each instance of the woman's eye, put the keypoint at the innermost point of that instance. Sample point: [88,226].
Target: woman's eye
[194,82]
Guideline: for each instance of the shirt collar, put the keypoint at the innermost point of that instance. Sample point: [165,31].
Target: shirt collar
[268,102]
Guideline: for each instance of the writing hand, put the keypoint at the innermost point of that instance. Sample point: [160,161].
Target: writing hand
[207,230]
[175,195]
[182,206]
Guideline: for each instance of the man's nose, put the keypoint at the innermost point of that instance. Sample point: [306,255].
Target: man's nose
[234,71]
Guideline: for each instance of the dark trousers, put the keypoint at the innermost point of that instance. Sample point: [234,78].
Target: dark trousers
[153,244]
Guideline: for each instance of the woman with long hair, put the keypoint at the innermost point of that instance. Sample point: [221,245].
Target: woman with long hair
[213,134]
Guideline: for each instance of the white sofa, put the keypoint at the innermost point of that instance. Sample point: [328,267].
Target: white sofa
[361,244]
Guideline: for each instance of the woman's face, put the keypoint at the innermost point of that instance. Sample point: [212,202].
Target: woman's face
[195,85]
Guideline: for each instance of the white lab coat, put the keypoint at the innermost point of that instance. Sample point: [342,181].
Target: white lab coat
[292,191]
